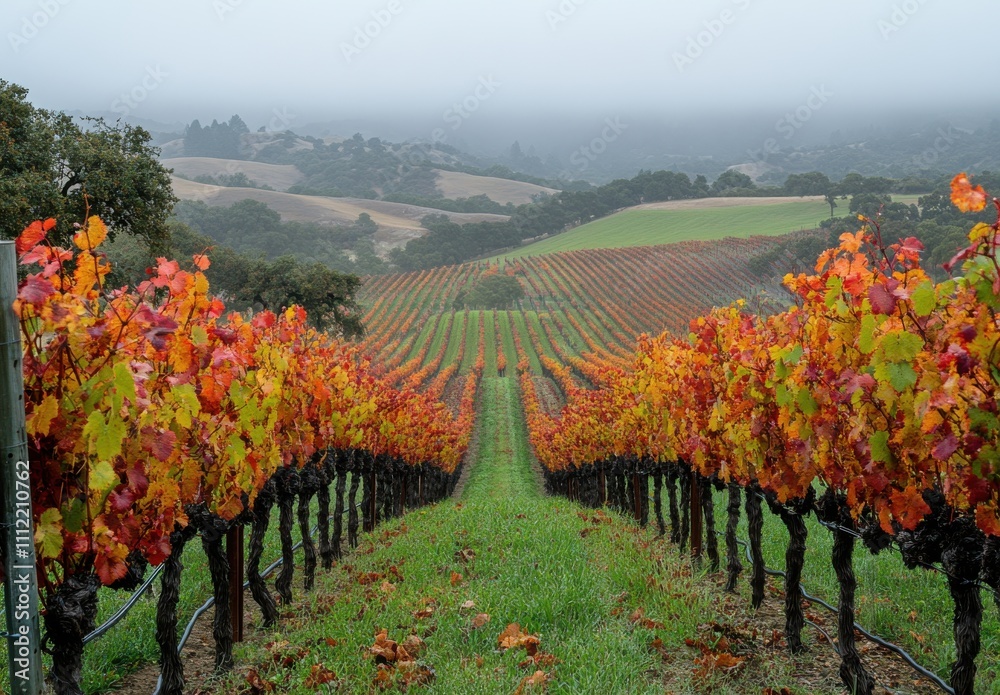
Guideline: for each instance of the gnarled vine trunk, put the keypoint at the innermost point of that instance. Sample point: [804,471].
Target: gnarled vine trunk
[733,564]
[261,520]
[711,540]
[755,528]
[70,614]
[287,482]
[795,556]
[171,667]
[338,514]
[962,560]
[323,514]
[658,501]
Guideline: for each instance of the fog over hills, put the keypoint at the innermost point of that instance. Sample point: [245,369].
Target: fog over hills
[709,79]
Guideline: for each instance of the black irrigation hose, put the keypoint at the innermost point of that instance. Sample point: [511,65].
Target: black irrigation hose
[211,601]
[124,610]
[899,651]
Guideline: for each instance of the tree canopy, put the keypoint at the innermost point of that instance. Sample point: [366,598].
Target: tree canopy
[53,166]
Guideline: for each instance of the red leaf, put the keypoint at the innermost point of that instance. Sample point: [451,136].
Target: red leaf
[109,569]
[36,290]
[122,500]
[159,444]
[882,301]
[945,448]
[137,479]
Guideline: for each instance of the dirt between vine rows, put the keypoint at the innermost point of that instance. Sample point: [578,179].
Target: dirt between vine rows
[198,654]
[762,632]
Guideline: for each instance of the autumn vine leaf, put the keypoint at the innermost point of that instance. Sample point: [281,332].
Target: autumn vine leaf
[965,196]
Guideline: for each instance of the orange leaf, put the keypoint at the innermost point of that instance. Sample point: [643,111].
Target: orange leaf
[456,578]
[33,235]
[909,507]
[201,261]
[965,196]
[480,620]
[988,519]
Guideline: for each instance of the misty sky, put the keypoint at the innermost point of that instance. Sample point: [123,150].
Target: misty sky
[313,61]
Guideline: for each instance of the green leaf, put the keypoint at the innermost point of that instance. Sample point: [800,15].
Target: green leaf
[781,395]
[866,340]
[879,443]
[924,298]
[73,515]
[899,346]
[110,438]
[103,478]
[124,382]
[794,356]
[834,289]
[48,533]
[807,403]
[900,375]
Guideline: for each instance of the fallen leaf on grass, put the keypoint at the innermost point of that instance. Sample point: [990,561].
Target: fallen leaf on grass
[258,685]
[468,605]
[711,664]
[657,646]
[388,587]
[424,613]
[539,659]
[319,675]
[480,620]
[384,649]
[512,638]
[535,681]
[639,618]
[465,555]
[414,646]
[411,674]
[284,655]
[456,578]
[775,691]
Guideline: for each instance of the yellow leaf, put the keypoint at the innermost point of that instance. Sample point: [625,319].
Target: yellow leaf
[92,235]
[42,416]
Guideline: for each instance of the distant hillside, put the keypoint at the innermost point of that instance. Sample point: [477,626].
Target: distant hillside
[454,184]
[280,177]
[398,223]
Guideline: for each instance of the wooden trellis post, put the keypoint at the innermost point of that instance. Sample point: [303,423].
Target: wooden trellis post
[21,586]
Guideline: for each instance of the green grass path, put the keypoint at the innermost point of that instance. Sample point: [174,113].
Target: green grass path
[532,566]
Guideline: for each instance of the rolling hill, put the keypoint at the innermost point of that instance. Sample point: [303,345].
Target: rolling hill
[280,177]
[703,219]
[454,184]
[398,222]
